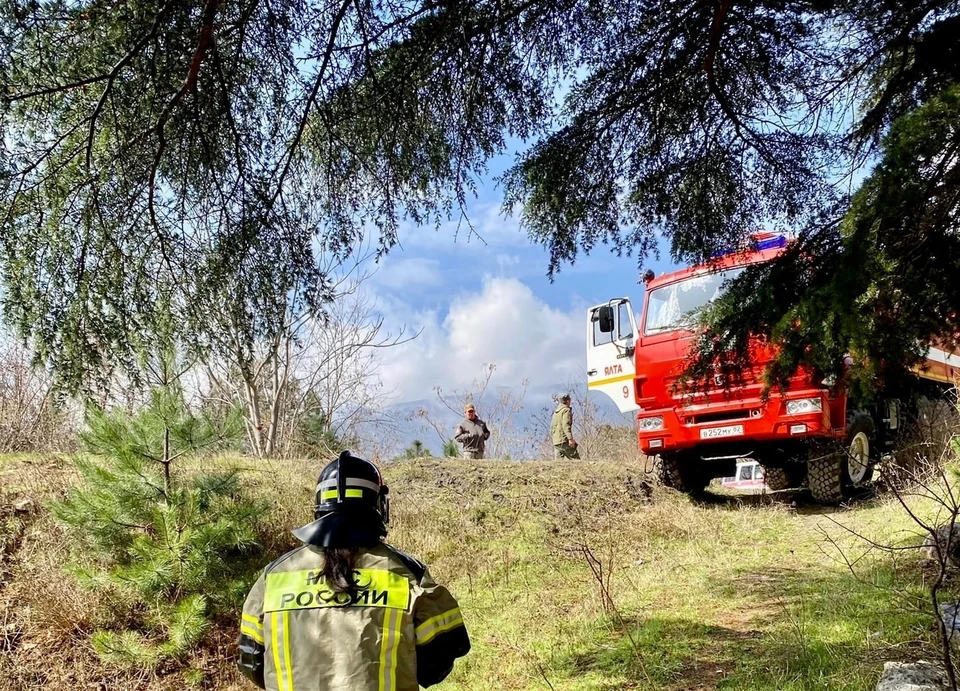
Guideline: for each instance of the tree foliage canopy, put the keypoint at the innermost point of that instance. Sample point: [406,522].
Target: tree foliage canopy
[158,152]
[878,284]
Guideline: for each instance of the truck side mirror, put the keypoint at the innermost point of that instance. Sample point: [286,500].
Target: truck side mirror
[605,317]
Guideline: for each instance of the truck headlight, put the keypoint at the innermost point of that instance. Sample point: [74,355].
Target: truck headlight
[649,424]
[804,405]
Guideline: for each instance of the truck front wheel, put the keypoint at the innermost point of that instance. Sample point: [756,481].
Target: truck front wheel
[836,473]
[681,473]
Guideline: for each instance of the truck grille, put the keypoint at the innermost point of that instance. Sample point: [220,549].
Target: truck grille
[726,416]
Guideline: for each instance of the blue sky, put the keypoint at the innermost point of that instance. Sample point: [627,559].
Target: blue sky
[489,301]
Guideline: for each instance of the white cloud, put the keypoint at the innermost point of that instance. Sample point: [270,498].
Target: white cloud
[504,324]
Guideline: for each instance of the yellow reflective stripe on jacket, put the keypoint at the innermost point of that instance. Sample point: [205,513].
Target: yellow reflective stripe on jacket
[286,650]
[246,629]
[275,625]
[280,625]
[290,590]
[434,626]
[252,627]
[389,648]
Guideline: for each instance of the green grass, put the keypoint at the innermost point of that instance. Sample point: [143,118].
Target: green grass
[681,595]
[756,597]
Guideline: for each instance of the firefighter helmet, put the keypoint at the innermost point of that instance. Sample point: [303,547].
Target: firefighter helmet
[351,507]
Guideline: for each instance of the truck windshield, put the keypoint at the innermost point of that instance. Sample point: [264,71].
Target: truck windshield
[675,306]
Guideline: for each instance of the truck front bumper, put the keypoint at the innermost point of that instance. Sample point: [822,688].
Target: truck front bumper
[801,413]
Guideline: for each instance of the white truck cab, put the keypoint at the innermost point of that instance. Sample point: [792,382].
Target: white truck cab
[611,339]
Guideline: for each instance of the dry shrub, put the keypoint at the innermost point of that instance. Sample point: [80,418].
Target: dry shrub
[288,485]
[31,417]
[58,609]
[925,439]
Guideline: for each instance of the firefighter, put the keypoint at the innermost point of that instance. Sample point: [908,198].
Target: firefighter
[346,610]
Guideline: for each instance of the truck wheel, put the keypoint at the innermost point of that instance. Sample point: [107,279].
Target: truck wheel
[777,478]
[834,473]
[824,474]
[857,442]
[680,474]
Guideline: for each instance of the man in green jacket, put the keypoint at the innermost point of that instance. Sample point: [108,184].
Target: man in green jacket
[561,431]
[346,610]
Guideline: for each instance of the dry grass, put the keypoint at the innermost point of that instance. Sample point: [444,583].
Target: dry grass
[572,575]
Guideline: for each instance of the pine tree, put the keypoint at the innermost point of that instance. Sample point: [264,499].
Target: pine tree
[416,450]
[450,449]
[155,539]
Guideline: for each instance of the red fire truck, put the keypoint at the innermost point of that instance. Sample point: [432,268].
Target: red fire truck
[806,432]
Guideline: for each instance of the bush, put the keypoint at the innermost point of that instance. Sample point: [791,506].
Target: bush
[158,544]
[451,449]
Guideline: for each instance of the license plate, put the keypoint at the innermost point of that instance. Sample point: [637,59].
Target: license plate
[718,432]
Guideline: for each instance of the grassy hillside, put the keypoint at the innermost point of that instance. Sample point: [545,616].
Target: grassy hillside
[571,575]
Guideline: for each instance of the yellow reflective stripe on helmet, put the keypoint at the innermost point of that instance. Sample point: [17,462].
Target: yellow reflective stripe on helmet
[248,630]
[434,626]
[389,647]
[275,625]
[349,494]
[286,650]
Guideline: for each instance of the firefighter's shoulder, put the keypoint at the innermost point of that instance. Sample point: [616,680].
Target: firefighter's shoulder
[414,565]
[299,551]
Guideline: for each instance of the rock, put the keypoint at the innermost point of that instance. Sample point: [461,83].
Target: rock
[951,619]
[918,676]
[23,506]
[949,546]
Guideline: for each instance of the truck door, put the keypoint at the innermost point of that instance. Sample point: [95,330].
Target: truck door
[611,335]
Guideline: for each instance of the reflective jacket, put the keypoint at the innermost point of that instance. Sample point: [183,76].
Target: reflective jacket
[399,630]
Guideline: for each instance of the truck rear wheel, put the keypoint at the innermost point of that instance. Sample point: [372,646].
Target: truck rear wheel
[681,474]
[835,474]
[824,473]
[781,478]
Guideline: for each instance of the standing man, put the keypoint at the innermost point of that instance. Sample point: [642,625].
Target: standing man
[561,431]
[472,433]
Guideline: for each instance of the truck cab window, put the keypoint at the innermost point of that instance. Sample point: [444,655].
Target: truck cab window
[624,330]
[599,337]
[622,326]
[675,306]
